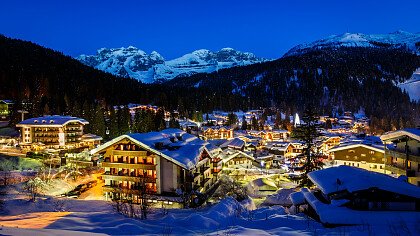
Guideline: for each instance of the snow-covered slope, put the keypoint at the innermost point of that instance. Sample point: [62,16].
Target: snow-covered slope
[397,39]
[412,86]
[135,63]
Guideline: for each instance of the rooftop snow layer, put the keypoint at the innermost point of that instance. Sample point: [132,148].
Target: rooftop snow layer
[52,120]
[176,145]
[352,179]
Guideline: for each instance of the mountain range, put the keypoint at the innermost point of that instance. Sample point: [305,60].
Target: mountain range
[332,79]
[149,68]
[398,39]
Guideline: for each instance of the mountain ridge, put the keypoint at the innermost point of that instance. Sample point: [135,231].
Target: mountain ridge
[149,68]
[397,39]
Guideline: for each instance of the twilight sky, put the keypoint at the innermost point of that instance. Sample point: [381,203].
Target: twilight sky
[267,28]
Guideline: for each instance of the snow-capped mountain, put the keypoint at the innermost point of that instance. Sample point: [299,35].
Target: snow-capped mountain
[398,39]
[135,63]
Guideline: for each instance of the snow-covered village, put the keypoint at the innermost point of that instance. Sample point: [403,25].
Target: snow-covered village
[290,133]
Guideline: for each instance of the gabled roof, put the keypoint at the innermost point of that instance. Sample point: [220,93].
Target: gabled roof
[55,120]
[8,102]
[352,179]
[281,146]
[227,156]
[378,148]
[234,143]
[177,146]
[410,132]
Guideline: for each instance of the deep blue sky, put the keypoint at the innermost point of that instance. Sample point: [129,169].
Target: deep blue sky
[173,28]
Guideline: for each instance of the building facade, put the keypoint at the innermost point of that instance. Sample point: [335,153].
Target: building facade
[368,157]
[53,132]
[217,133]
[159,163]
[403,153]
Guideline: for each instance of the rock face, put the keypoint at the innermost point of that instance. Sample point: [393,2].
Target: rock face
[149,68]
[399,39]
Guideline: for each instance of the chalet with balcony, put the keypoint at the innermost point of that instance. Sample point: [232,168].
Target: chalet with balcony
[215,132]
[404,153]
[159,163]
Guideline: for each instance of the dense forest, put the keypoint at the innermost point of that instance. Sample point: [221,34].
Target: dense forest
[331,80]
[44,81]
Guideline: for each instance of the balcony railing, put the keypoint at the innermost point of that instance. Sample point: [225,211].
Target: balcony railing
[395,170]
[147,179]
[402,155]
[129,153]
[116,188]
[204,168]
[129,166]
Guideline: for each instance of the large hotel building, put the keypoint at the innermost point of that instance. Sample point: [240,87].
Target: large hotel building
[159,163]
[55,132]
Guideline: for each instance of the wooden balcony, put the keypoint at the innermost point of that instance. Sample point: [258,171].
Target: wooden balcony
[395,170]
[403,155]
[108,188]
[129,153]
[129,166]
[129,178]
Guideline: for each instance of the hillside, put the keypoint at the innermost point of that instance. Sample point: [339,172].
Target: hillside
[149,68]
[49,81]
[330,79]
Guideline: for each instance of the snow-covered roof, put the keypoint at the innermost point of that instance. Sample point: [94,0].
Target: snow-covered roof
[230,154]
[263,184]
[410,132]
[55,120]
[345,146]
[234,143]
[281,146]
[352,179]
[297,198]
[8,102]
[216,128]
[89,137]
[176,145]
[335,213]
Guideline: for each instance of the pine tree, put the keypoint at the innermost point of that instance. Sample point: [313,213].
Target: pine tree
[232,119]
[98,123]
[254,123]
[277,121]
[307,133]
[124,118]
[113,123]
[244,123]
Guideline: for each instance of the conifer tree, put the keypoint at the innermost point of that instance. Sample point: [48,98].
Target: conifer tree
[254,123]
[113,123]
[307,132]
[124,118]
[244,123]
[98,123]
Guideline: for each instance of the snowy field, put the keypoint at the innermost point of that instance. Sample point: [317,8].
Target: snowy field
[89,215]
[53,216]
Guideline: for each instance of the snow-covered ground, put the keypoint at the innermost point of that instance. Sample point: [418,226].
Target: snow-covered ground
[51,215]
[227,217]
[412,86]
